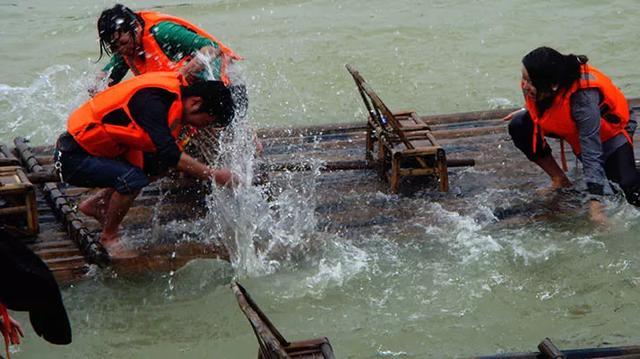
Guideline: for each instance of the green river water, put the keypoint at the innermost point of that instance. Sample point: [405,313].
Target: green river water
[452,280]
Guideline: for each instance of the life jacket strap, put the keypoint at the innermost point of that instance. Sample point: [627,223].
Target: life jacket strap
[6,329]
[563,156]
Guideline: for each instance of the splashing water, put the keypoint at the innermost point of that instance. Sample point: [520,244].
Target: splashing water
[40,110]
[271,227]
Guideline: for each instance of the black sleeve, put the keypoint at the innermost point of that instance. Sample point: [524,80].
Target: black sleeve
[149,109]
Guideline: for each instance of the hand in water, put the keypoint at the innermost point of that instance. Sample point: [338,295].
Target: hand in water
[556,184]
[225,177]
[99,84]
[597,215]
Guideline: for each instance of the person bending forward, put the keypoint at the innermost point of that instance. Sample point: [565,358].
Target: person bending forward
[128,133]
[569,99]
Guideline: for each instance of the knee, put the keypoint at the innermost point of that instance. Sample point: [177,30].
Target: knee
[131,182]
[518,125]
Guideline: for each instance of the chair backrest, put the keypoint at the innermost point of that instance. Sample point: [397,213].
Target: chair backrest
[271,342]
[378,111]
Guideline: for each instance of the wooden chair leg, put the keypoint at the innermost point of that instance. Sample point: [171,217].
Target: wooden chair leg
[395,174]
[369,145]
[32,213]
[382,160]
[443,174]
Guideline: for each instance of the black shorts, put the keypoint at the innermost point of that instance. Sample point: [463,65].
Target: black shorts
[79,168]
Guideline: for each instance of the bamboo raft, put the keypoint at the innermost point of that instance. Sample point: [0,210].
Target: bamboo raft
[67,241]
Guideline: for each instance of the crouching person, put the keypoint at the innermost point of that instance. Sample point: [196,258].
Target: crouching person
[126,134]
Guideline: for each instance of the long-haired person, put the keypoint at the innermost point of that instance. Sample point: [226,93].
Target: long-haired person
[567,98]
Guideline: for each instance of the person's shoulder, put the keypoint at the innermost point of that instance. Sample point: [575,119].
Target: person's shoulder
[167,27]
[588,95]
[151,94]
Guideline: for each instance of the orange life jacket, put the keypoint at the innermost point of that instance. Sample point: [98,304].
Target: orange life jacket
[91,125]
[155,59]
[557,121]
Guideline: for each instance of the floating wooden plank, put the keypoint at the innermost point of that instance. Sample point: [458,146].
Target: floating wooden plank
[271,343]
[548,350]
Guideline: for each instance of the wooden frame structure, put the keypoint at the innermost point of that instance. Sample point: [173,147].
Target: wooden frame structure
[18,198]
[88,244]
[272,344]
[405,143]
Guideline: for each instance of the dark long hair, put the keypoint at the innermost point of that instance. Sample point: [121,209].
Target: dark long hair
[117,18]
[547,67]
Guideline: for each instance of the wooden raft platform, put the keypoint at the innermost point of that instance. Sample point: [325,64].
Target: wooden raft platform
[67,240]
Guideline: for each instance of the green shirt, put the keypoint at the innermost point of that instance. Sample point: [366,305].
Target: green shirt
[176,41]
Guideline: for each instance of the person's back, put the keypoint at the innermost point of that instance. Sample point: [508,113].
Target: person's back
[113,137]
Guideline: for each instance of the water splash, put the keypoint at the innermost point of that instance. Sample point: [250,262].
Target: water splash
[39,111]
[272,227]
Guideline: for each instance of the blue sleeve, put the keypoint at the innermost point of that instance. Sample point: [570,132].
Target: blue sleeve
[149,109]
[586,114]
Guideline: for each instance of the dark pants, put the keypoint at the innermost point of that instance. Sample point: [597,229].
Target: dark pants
[620,166]
[521,131]
[84,170]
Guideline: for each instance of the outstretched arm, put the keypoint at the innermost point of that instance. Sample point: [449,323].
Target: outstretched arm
[586,113]
[177,41]
[115,70]
[193,167]
[191,69]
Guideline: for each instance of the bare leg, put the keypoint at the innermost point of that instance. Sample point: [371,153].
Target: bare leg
[550,166]
[96,205]
[118,207]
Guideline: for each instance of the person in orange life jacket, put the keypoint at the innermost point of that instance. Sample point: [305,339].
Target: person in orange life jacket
[146,41]
[568,99]
[128,133]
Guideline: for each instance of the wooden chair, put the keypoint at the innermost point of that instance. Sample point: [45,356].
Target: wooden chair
[405,144]
[18,209]
[272,344]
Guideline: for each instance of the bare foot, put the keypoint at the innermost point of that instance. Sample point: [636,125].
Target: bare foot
[560,182]
[597,215]
[116,247]
[89,210]
[96,205]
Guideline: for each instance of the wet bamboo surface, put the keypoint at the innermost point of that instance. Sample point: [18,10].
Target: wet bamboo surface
[68,243]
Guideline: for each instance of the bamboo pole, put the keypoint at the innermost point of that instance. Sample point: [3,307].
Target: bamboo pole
[180,184]
[7,158]
[442,119]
